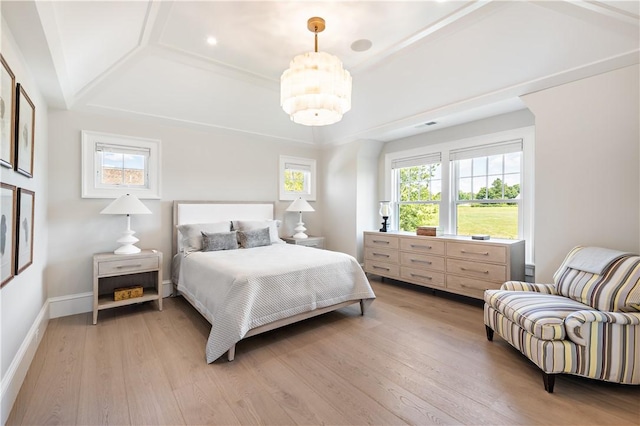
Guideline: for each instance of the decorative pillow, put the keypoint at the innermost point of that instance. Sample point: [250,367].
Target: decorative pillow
[214,241]
[249,225]
[192,233]
[254,238]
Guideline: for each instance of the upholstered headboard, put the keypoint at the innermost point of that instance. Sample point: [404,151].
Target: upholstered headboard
[217,211]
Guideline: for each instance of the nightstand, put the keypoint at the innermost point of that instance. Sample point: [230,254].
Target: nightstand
[316,242]
[111,271]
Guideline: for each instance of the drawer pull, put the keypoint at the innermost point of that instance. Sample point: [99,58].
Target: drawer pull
[380,242]
[421,246]
[483,253]
[381,254]
[380,267]
[421,276]
[139,265]
[473,270]
[421,261]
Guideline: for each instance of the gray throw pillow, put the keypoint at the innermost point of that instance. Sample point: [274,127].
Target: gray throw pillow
[254,238]
[214,241]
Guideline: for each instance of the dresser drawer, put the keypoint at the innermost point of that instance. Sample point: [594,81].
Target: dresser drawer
[484,271]
[381,254]
[383,269]
[422,277]
[128,265]
[381,240]
[422,245]
[422,261]
[482,252]
[470,286]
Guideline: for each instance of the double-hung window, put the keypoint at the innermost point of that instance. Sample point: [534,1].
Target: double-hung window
[486,187]
[481,185]
[418,190]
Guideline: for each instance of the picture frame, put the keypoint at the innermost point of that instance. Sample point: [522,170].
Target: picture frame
[7,114]
[24,233]
[24,132]
[8,204]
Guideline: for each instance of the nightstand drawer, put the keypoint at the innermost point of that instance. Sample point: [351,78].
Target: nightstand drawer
[127,266]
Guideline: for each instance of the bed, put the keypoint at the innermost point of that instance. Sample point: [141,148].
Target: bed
[260,286]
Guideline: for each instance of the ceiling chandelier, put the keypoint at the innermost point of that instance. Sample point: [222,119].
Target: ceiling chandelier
[316,89]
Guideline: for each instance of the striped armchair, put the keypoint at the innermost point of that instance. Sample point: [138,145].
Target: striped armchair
[587,323]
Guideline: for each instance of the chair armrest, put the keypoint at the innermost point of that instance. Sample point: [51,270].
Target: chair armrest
[523,286]
[581,325]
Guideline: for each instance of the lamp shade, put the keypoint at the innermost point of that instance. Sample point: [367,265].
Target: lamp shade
[126,204]
[300,205]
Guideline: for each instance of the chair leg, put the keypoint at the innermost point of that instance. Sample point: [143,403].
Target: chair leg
[489,333]
[549,380]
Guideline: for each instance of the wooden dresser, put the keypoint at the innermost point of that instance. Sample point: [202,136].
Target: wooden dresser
[451,263]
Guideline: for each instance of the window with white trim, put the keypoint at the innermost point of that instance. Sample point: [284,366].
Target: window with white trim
[486,190]
[418,191]
[481,185]
[113,165]
[297,178]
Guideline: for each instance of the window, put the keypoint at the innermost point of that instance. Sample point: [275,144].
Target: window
[113,165]
[487,189]
[297,178]
[480,185]
[418,191]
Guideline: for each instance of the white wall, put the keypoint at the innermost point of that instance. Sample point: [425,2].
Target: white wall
[196,165]
[587,166]
[350,194]
[23,299]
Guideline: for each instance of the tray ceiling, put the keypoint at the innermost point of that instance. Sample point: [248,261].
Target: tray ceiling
[443,61]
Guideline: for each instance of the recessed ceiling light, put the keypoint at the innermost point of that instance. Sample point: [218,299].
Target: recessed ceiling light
[361,45]
[211,41]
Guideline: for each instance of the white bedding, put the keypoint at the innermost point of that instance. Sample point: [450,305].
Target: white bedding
[237,290]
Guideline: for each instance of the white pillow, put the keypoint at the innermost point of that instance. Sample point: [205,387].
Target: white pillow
[192,233]
[249,225]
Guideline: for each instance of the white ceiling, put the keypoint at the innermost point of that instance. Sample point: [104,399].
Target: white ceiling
[443,61]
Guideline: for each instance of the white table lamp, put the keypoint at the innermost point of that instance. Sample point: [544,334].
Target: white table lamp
[300,205]
[127,204]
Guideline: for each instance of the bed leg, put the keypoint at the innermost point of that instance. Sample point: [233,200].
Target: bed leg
[364,304]
[231,353]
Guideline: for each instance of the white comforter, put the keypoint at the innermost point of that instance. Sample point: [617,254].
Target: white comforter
[238,290]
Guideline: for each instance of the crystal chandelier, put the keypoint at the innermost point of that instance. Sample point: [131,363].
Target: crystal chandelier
[316,89]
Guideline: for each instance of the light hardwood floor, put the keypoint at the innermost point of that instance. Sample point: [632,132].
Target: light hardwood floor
[413,358]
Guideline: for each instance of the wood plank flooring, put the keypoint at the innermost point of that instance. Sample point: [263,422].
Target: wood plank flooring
[414,358]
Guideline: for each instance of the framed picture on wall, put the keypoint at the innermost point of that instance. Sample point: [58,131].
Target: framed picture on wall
[24,245]
[7,113]
[25,127]
[8,201]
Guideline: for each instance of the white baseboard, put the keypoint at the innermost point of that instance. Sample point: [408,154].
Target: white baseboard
[83,302]
[72,304]
[14,377]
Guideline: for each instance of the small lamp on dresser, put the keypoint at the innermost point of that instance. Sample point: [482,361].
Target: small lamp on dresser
[385,212]
[300,205]
[127,204]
